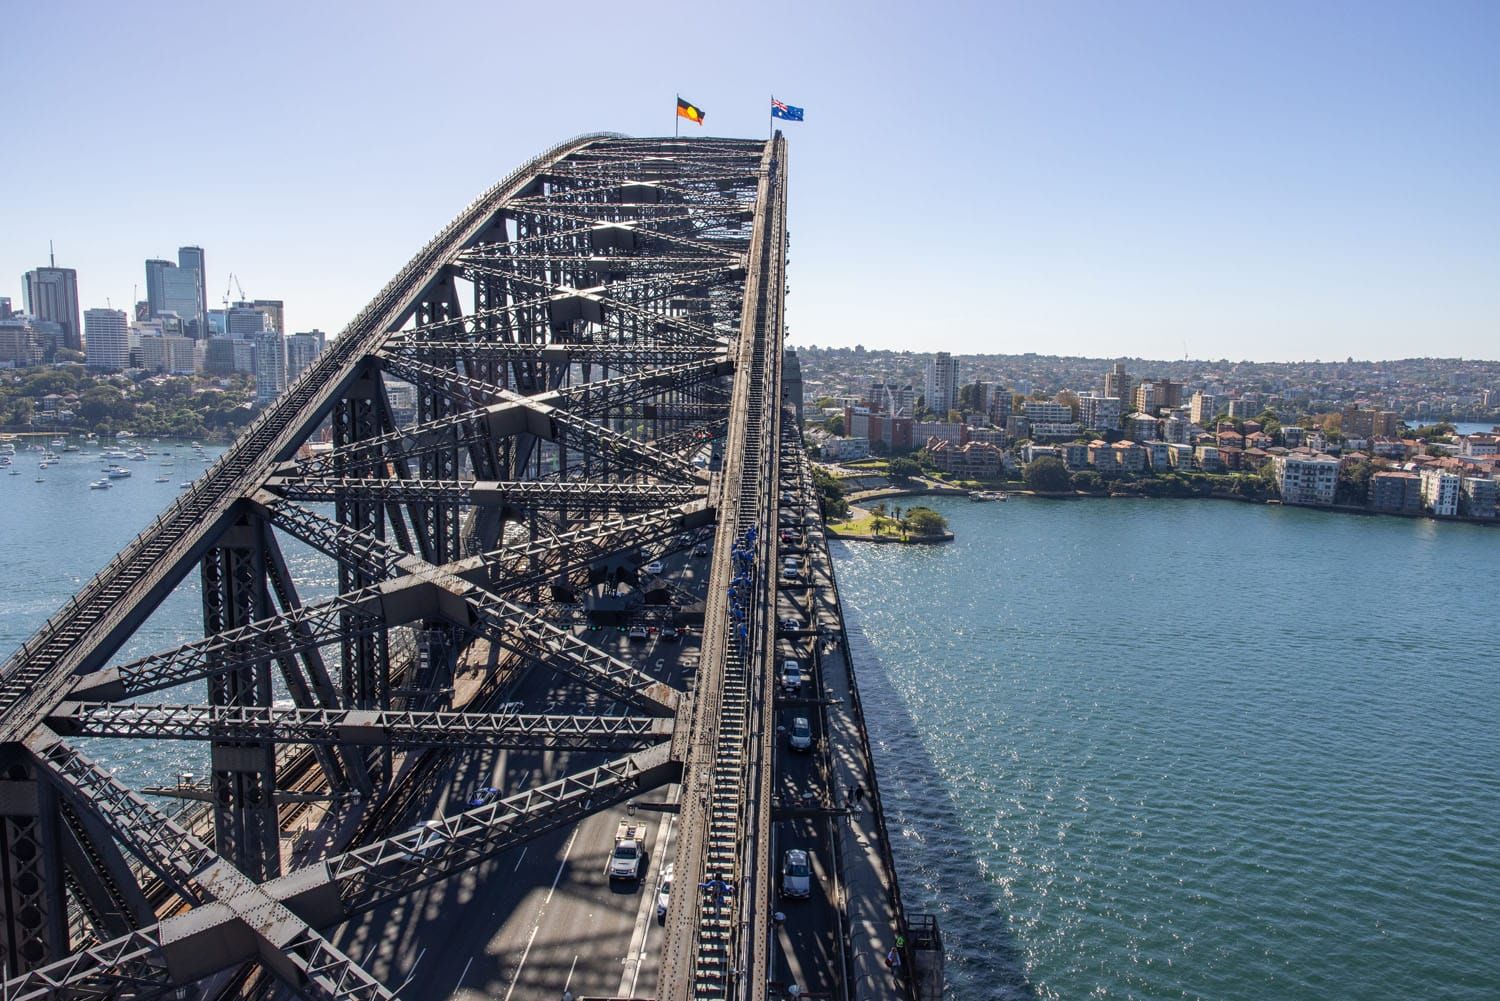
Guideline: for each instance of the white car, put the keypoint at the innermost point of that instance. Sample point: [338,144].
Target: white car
[664,892]
[655,567]
[791,677]
[796,874]
[800,735]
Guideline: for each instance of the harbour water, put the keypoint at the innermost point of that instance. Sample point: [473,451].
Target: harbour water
[56,534]
[1130,749]
[1190,749]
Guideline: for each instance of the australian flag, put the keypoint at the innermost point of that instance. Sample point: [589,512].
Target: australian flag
[780,109]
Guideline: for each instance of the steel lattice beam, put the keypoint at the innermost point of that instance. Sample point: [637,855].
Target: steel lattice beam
[357,726]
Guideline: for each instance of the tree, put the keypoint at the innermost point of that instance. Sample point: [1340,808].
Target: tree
[924,521]
[904,468]
[1046,474]
[1088,481]
[835,425]
[830,496]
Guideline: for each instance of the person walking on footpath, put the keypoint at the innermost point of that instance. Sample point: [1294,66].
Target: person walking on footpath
[893,962]
[718,889]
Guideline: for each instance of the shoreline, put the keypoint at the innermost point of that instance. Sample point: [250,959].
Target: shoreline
[1264,502]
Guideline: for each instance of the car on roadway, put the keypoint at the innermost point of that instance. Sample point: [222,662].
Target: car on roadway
[638,632]
[655,567]
[791,677]
[669,634]
[789,624]
[664,893]
[799,737]
[483,796]
[796,874]
[701,549]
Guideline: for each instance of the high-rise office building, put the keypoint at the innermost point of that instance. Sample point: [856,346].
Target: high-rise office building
[270,366]
[155,268]
[5,310]
[301,350]
[243,321]
[106,336]
[275,311]
[52,294]
[942,384]
[191,259]
[179,292]
[174,289]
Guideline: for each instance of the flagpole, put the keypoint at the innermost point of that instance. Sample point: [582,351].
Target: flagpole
[771,121]
[676,118]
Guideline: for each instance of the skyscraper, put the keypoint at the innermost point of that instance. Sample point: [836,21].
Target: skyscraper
[107,339]
[155,268]
[942,384]
[270,366]
[52,294]
[191,259]
[179,294]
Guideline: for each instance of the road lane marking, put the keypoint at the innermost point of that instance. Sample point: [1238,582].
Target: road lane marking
[463,974]
[570,973]
[523,855]
[413,972]
[514,977]
[641,933]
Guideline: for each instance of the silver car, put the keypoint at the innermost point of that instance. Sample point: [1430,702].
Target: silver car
[796,874]
[664,892]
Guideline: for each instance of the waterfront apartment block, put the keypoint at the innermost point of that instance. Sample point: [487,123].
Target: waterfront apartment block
[1142,427]
[1358,423]
[1307,478]
[1396,492]
[1440,491]
[1478,497]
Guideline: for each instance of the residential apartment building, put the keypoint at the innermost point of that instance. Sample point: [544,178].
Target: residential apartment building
[1202,408]
[1129,457]
[1307,478]
[1440,492]
[942,384]
[1097,412]
[1478,497]
[1396,492]
[106,336]
[176,355]
[1118,385]
[1358,423]
[1074,454]
[302,349]
[1143,427]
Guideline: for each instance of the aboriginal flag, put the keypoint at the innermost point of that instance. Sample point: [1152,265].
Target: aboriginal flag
[691,112]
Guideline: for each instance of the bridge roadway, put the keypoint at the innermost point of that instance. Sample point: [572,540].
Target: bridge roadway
[624,321]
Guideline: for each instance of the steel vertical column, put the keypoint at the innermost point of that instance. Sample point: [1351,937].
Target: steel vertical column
[365,655]
[236,593]
[33,926]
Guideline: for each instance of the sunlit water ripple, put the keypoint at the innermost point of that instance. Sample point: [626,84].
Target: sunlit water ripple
[1136,749]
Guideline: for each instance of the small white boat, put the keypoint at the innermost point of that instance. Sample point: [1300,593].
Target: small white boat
[183,486]
[100,485]
[41,479]
[163,479]
[117,472]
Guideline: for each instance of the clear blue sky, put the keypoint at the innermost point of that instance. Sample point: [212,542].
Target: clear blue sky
[1247,180]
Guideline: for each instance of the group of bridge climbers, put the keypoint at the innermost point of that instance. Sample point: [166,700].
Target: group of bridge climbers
[740,586]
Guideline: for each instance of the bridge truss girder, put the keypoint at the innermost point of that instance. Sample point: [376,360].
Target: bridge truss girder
[526,399]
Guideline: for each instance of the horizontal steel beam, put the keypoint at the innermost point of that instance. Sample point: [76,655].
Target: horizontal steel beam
[357,726]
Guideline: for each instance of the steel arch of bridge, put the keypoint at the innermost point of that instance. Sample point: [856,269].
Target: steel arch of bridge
[572,341]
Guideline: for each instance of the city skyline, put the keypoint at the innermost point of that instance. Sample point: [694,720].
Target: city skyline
[1275,184]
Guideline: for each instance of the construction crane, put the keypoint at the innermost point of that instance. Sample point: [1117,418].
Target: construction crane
[233,285]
